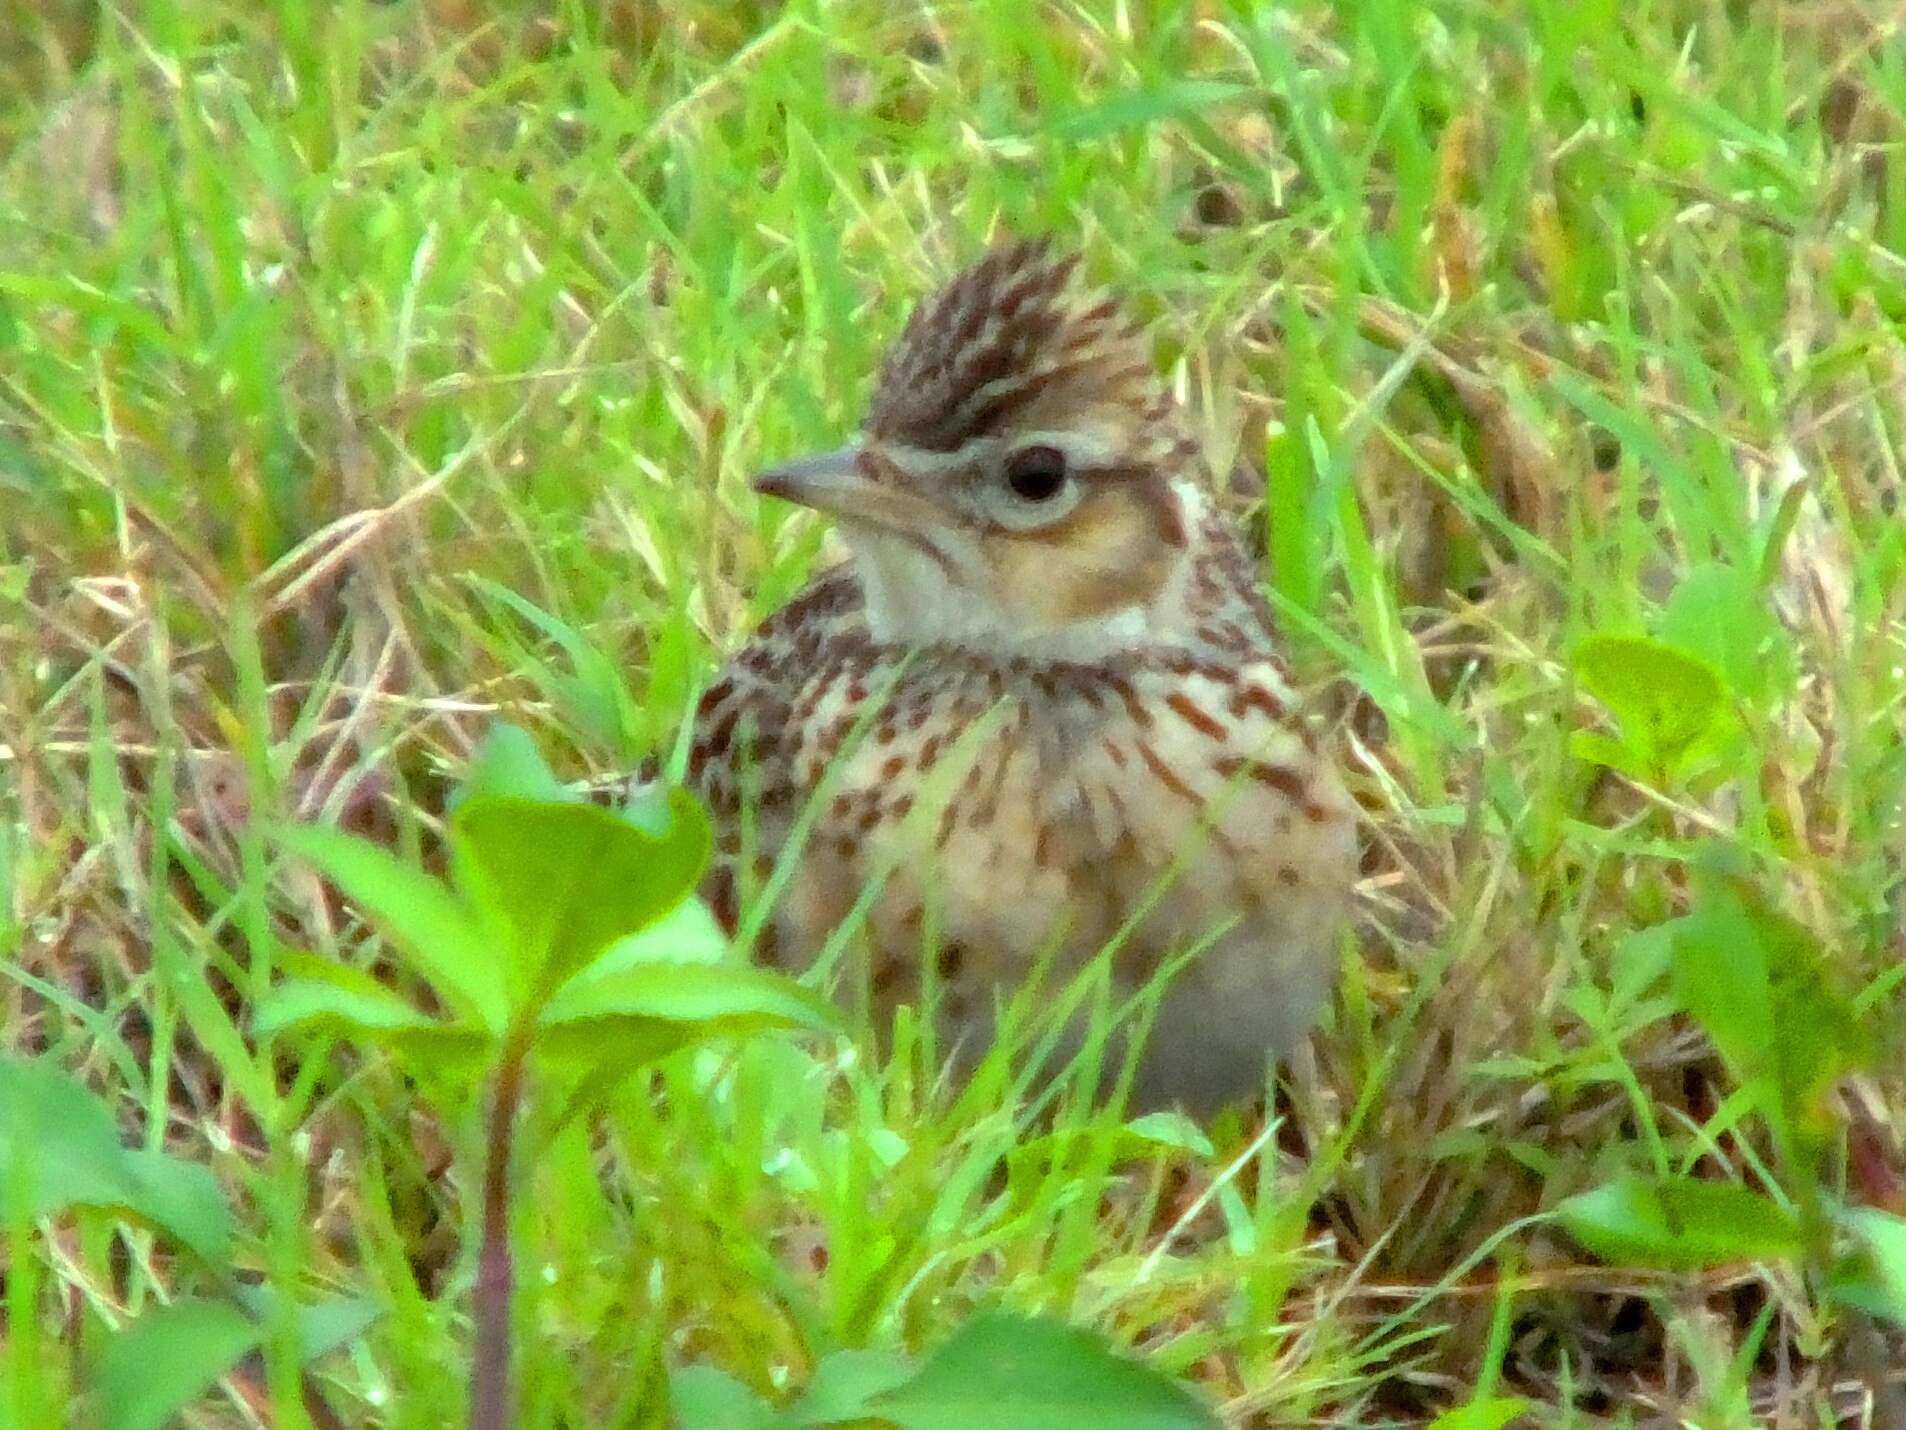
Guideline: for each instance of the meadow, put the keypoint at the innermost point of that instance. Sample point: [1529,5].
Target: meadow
[374,373]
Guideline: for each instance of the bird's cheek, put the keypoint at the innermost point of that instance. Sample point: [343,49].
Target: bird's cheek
[1045,587]
[1025,578]
[1100,589]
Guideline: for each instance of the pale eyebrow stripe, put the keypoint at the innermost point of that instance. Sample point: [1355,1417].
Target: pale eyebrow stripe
[1086,446]
[925,460]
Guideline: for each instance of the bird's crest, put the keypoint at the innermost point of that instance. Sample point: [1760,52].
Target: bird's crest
[1015,329]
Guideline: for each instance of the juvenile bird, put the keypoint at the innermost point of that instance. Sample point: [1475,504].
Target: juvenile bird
[1041,707]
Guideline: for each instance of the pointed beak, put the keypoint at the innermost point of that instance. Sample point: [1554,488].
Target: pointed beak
[822,480]
[853,483]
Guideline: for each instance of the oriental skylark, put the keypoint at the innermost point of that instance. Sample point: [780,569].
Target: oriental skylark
[1040,709]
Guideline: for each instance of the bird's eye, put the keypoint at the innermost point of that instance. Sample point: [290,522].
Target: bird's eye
[1036,473]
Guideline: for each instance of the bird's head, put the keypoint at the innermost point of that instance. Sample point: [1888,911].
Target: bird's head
[1020,484]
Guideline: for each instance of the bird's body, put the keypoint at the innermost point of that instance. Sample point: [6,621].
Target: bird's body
[1036,713]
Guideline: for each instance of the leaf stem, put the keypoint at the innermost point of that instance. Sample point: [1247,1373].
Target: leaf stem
[490,1402]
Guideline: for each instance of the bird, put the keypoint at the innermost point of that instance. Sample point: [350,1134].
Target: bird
[1039,712]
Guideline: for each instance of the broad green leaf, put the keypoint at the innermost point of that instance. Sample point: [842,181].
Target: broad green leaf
[162,1362]
[508,763]
[845,1385]
[183,1199]
[1721,616]
[687,933]
[1491,1414]
[1884,1237]
[380,1019]
[298,963]
[565,881]
[1595,748]
[703,1398]
[60,1149]
[359,1012]
[652,1009]
[651,809]
[1679,1225]
[1720,975]
[691,993]
[58,1144]
[168,1358]
[1756,982]
[1663,699]
[420,916]
[1010,1372]
[612,1048]
[331,1325]
[323,1327]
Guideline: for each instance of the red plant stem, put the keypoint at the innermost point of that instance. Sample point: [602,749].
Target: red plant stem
[490,1403]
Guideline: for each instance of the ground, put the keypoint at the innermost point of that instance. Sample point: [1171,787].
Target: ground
[371,371]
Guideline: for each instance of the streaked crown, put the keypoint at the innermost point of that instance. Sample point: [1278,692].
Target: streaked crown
[1021,483]
[1014,340]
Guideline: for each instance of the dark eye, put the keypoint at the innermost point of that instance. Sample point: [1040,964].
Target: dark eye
[1036,473]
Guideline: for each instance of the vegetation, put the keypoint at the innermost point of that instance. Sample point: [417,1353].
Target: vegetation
[374,375]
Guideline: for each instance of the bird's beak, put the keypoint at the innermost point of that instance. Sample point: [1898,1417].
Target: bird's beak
[818,481]
[850,482]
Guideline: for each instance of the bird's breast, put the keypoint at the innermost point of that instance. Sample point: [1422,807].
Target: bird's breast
[1006,807]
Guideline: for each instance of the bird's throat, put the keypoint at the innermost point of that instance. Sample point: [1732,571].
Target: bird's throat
[1039,606]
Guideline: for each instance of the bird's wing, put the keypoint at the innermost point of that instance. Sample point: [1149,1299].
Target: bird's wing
[747,735]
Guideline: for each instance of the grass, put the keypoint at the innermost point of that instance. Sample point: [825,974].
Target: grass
[372,371]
